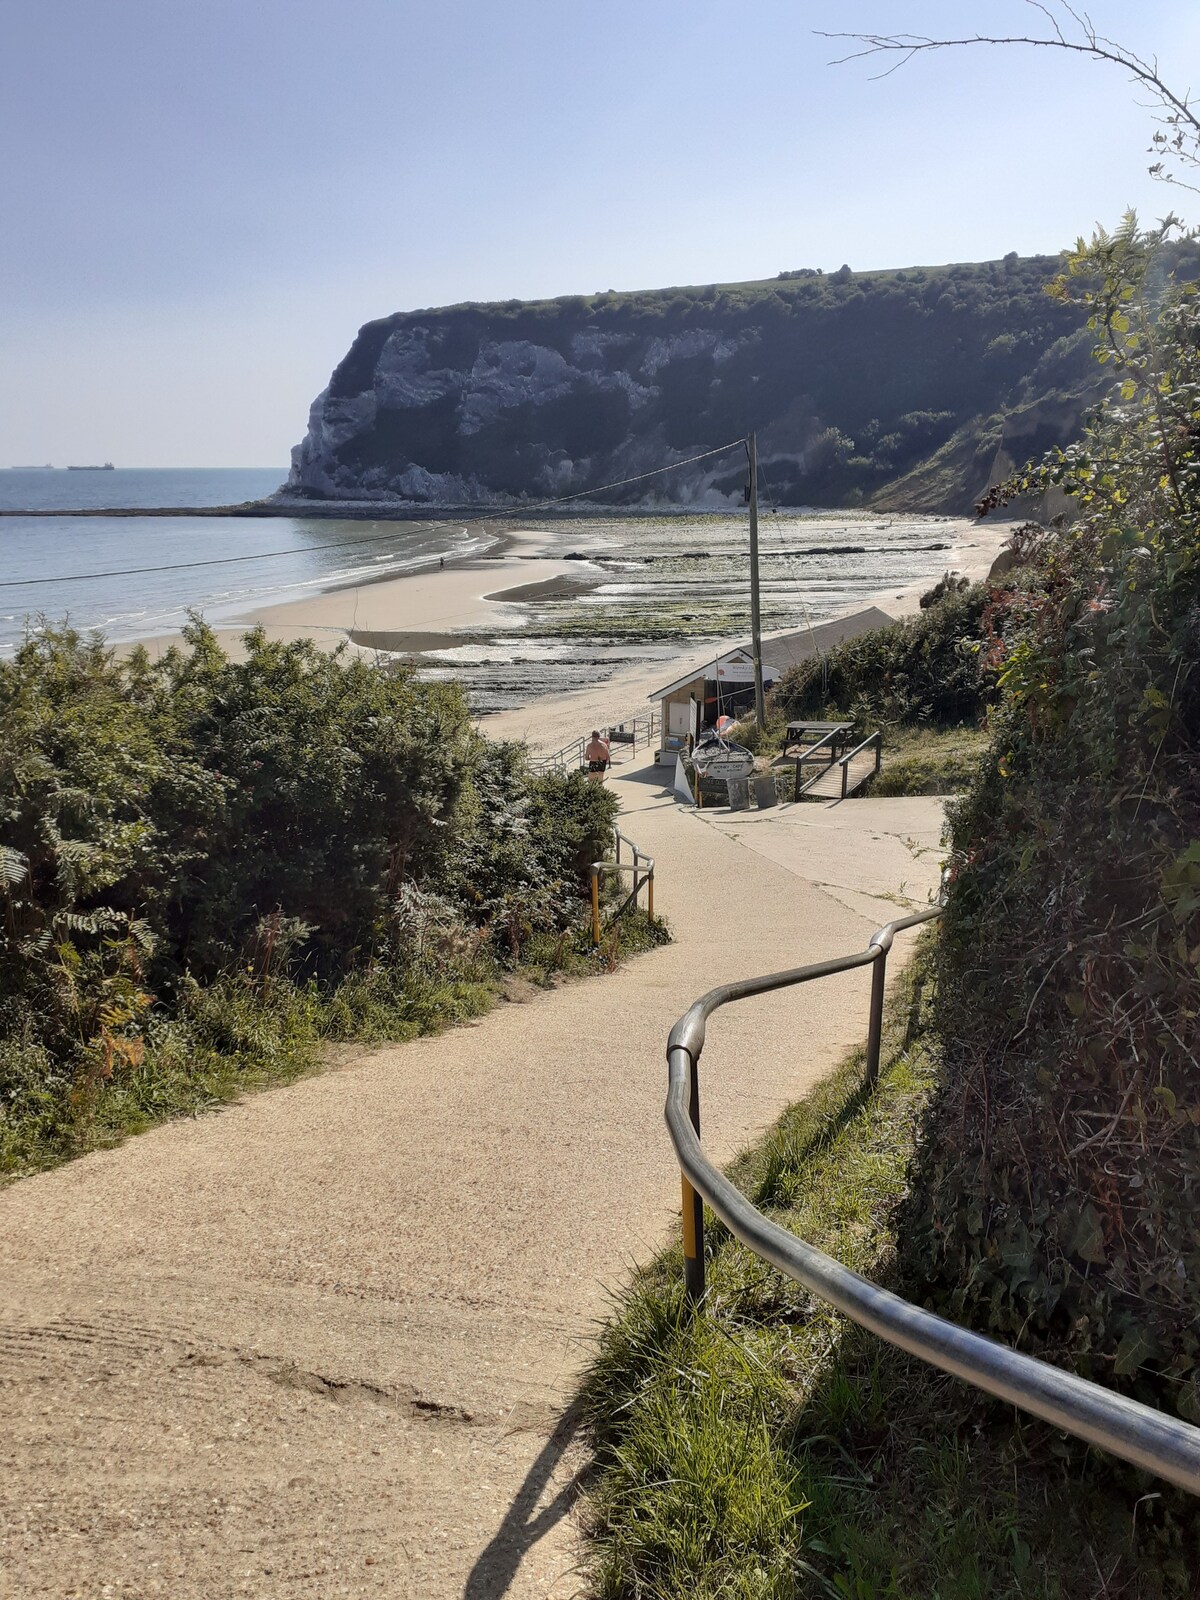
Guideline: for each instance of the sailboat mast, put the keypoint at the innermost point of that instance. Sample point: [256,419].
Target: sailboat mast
[760,706]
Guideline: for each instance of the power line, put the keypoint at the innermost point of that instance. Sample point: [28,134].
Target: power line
[344,544]
[735,444]
[179,566]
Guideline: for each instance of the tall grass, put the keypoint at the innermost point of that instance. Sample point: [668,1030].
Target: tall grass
[238,1034]
[764,1449]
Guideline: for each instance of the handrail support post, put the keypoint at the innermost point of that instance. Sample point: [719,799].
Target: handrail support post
[875,1024]
[693,1205]
[1152,1440]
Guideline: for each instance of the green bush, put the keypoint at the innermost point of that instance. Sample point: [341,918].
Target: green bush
[928,761]
[206,864]
[926,668]
[1057,1204]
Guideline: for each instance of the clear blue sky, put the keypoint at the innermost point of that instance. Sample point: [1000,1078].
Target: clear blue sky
[201,202]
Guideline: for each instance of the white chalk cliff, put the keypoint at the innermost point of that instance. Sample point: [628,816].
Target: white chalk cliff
[850,383]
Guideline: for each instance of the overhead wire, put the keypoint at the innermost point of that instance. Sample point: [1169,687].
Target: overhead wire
[180,566]
[345,544]
[620,483]
[800,596]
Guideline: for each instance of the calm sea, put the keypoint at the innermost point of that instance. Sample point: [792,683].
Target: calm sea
[661,581]
[77,569]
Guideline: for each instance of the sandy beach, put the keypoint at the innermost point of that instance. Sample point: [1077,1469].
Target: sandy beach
[480,593]
[554,721]
[419,611]
[470,601]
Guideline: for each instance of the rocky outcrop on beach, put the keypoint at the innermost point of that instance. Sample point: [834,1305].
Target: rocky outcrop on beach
[858,385]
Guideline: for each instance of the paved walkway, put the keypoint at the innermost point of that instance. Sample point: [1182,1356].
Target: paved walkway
[319,1344]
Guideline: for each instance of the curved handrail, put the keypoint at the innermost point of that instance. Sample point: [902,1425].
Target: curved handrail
[1150,1439]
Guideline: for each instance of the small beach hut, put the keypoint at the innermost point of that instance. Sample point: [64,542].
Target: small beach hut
[724,686]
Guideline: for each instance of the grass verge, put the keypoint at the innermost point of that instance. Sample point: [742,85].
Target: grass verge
[245,1033]
[928,760]
[767,1450]
[916,759]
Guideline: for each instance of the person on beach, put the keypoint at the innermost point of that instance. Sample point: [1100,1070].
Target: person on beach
[596,755]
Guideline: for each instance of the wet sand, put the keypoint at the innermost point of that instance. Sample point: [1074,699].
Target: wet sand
[469,602]
[549,589]
[481,594]
[552,721]
[412,644]
[460,596]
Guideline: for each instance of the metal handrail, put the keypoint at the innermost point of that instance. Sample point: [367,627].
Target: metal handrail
[558,762]
[642,868]
[643,720]
[1150,1439]
[571,755]
[620,838]
[876,739]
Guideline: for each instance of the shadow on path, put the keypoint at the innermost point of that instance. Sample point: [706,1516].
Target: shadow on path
[523,1524]
[660,777]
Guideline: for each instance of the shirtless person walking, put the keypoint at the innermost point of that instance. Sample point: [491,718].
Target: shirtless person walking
[596,755]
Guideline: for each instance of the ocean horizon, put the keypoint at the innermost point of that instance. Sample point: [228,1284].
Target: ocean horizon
[87,571]
[654,585]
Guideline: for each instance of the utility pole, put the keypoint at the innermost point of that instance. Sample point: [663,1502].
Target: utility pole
[760,705]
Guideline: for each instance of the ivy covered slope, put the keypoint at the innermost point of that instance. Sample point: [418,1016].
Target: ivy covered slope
[895,387]
[208,865]
[1057,1199]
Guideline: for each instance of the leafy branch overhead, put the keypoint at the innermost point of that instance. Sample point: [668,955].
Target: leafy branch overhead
[1176,141]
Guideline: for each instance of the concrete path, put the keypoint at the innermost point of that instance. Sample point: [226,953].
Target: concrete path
[319,1344]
